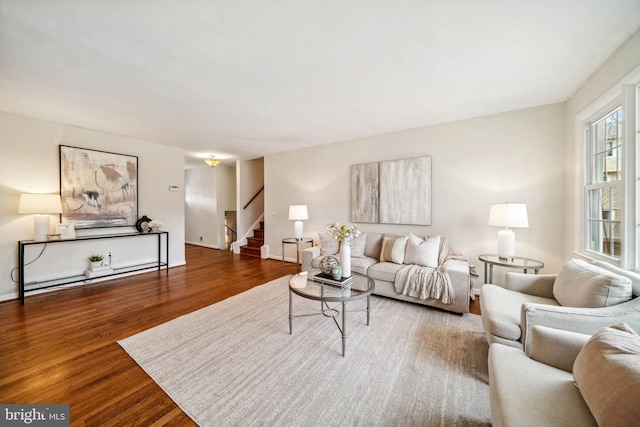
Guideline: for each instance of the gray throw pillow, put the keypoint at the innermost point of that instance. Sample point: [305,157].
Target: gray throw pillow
[357,245]
[328,245]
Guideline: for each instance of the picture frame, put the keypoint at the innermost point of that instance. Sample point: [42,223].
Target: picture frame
[98,189]
[66,231]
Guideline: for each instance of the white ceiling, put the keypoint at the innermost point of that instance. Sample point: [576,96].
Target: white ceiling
[244,78]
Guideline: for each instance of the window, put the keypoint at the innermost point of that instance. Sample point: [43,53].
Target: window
[604,187]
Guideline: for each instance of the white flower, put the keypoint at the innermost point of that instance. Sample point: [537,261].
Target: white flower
[343,232]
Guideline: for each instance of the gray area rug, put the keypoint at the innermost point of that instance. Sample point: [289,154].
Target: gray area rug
[234,364]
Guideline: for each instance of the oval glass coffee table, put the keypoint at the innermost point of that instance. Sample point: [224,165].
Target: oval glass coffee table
[306,285]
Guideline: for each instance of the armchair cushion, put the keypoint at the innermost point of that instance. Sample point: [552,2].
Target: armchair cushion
[501,310]
[555,347]
[581,284]
[607,372]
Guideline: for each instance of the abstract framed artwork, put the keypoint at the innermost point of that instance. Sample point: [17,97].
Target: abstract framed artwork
[365,193]
[98,189]
[392,192]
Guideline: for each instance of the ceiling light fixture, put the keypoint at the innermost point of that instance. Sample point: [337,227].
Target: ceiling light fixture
[212,161]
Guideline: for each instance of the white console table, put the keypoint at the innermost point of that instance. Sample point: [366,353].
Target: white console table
[159,263]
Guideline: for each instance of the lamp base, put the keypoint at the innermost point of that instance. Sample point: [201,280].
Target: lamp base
[297,228]
[506,244]
[42,228]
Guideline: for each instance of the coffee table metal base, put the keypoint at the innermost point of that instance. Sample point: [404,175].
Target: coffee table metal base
[333,313]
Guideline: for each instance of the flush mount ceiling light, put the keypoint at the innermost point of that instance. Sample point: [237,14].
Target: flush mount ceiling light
[212,161]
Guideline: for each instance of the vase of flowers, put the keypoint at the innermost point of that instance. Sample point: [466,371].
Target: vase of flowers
[344,234]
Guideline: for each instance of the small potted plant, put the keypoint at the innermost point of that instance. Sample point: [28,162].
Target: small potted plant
[96,260]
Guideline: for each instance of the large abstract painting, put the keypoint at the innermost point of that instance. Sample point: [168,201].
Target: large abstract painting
[98,189]
[364,193]
[392,192]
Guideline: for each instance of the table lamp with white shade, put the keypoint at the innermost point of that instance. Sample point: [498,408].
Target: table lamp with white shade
[297,213]
[508,215]
[41,204]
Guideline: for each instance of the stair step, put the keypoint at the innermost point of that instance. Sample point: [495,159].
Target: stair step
[258,234]
[250,251]
[254,242]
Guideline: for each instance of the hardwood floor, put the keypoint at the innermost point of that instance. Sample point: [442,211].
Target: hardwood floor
[61,347]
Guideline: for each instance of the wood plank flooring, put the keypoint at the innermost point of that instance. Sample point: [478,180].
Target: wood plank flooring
[61,347]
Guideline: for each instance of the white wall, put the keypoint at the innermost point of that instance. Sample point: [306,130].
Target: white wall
[30,164]
[209,193]
[515,157]
[602,85]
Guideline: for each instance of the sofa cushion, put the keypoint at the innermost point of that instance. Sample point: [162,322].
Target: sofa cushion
[358,245]
[581,284]
[422,251]
[393,248]
[373,246]
[501,309]
[361,264]
[607,372]
[384,271]
[328,245]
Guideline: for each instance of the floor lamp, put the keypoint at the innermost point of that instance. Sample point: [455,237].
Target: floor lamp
[41,204]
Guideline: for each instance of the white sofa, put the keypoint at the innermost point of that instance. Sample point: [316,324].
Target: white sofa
[366,259]
[582,297]
[567,379]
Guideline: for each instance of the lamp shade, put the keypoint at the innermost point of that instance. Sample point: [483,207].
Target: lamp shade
[298,212]
[509,215]
[40,204]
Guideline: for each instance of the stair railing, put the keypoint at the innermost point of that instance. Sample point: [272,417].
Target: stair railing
[254,197]
[233,236]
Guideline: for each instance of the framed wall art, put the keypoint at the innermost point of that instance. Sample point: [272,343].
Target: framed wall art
[392,192]
[98,189]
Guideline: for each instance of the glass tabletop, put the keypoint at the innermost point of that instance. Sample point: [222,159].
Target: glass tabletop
[306,285]
[516,261]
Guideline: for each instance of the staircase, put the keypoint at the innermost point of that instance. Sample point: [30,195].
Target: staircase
[252,248]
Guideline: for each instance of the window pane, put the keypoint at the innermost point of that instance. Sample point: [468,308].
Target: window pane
[604,221]
[606,140]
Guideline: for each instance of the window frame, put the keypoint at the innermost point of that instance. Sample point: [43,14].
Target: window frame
[593,184]
[627,94]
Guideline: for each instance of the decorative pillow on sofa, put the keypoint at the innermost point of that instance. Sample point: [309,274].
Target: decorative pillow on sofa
[581,284]
[607,372]
[422,251]
[357,245]
[393,248]
[328,245]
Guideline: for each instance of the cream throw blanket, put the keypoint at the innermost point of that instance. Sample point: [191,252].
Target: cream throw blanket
[426,282]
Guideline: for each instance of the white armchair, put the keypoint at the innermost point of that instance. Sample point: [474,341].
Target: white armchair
[582,298]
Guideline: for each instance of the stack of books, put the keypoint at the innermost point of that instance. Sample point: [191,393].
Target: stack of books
[327,279]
